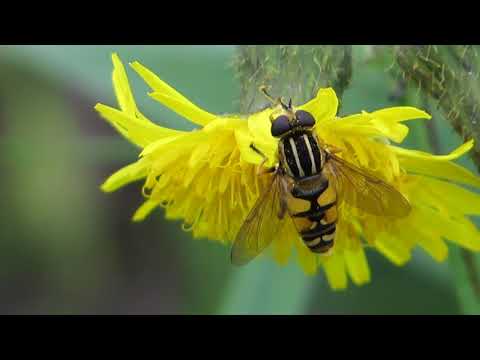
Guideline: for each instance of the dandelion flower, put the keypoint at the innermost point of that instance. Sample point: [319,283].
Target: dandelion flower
[208,177]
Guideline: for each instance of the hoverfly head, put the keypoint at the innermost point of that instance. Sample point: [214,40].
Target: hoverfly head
[285,122]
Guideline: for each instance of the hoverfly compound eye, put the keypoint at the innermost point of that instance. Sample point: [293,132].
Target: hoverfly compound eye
[305,118]
[280,126]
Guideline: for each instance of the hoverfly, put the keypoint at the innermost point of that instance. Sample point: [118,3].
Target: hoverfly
[307,186]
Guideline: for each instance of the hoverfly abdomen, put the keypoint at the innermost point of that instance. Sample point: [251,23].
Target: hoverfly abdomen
[318,229]
[308,188]
[316,212]
[320,237]
[317,224]
[321,244]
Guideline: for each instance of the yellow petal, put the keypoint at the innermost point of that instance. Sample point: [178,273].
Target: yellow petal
[185,109]
[394,131]
[384,122]
[392,246]
[224,147]
[163,154]
[357,266]
[459,230]
[306,258]
[122,87]
[400,113]
[435,246]
[259,126]
[144,210]
[171,98]
[352,125]
[443,170]
[282,246]
[438,165]
[416,154]
[155,82]
[450,197]
[126,175]
[334,266]
[139,133]
[244,139]
[157,144]
[324,106]
[199,154]
[211,195]
[123,91]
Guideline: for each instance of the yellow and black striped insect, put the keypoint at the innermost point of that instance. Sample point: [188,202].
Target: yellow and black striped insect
[307,186]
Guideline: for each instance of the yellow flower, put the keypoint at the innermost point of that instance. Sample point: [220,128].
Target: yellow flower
[207,177]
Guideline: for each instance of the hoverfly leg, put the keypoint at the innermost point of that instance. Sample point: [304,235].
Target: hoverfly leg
[261,169]
[333,149]
[254,148]
[283,199]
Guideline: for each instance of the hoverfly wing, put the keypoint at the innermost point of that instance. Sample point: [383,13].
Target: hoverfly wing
[363,190]
[261,225]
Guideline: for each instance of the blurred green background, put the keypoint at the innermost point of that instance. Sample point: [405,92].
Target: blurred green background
[68,248]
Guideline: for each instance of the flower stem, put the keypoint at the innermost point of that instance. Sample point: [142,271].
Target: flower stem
[293,71]
[448,76]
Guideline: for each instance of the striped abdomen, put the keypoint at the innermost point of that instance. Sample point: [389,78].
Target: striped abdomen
[316,224]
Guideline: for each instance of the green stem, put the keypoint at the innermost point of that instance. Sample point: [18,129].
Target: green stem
[448,76]
[295,72]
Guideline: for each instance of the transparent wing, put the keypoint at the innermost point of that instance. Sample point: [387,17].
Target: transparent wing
[363,190]
[261,225]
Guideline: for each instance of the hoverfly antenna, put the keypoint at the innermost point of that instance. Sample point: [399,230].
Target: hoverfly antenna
[263,89]
[275,102]
[288,108]
[285,107]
